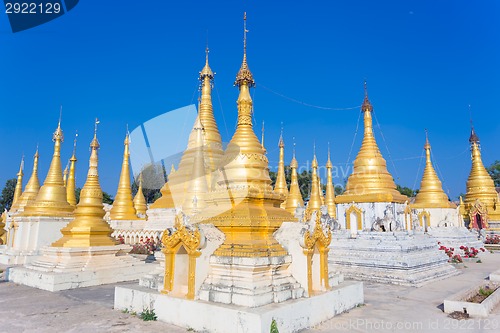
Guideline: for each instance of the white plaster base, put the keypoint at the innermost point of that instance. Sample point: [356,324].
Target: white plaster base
[33,233]
[290,316]
[458,302]
[391,213]
[384,257]
[251,282]
[69,268]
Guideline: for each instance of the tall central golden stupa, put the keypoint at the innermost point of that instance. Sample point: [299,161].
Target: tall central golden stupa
[370,181]
[179,181]
[243,204]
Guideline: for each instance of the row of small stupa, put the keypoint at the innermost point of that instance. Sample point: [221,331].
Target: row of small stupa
[205,168]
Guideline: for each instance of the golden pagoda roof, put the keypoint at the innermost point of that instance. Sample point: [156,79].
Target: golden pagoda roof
[51,198]
[480,185]
[314,199]
[123,205]
[431,194]
[281,186]
[140,204]
[32,187]
[294,198]
[71,180]
[370,181]
[88,228]
[194,200]
[166,200]
[19,184]
[330,190]
[179,181]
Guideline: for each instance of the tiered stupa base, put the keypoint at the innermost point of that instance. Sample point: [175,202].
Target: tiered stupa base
[33,233]
[244,294]
[67,268]
[389,257]
[203,316]
[456,237]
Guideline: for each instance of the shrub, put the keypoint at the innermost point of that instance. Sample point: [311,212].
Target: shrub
[148,315]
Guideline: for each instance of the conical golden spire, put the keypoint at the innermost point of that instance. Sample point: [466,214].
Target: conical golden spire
[179,181]
[431,194]
[51,198]
[89,227]
[320,190]
[197,188]
[370,180]
[330,190]
[65,174]
[480,185]
[294,199]
[314,199]
[281,186]
[31,189]
[123,206]
[251,213]
[71,183]
[19,184]
[166,200]
[140,204]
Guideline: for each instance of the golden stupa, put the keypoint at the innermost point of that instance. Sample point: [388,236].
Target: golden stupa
[19,184]
[31,190]
[88,227]
[370,181]
[140,204]
[431,194]
[123,205]
[197,188]
[480,185]
[166,200]
[243,204]
[330,190]
[51,198]
[71,180]
[280,186]
[294,198]
[315,198]
[212,151]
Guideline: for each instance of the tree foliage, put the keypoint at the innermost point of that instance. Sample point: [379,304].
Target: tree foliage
[494,171]
[8,194]
[406,191]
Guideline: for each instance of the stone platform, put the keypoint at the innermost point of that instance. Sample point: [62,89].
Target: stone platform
[290,316]
[389,257]
[69,268]
[456,237]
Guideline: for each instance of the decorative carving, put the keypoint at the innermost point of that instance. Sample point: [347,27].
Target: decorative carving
[320,237]
[186,235]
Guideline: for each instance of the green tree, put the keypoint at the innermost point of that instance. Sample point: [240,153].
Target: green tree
[339,190]
[7,194]
[406,191]
[153,178]
[494,171]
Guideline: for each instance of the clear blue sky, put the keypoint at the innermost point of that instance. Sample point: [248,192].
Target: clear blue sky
[425,62]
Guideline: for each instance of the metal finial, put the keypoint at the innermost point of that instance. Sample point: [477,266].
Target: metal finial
[293,146]
[74,143]
[60,116]
[366,88]
[328,150]
[262,141]
[245,34]
[95,126]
